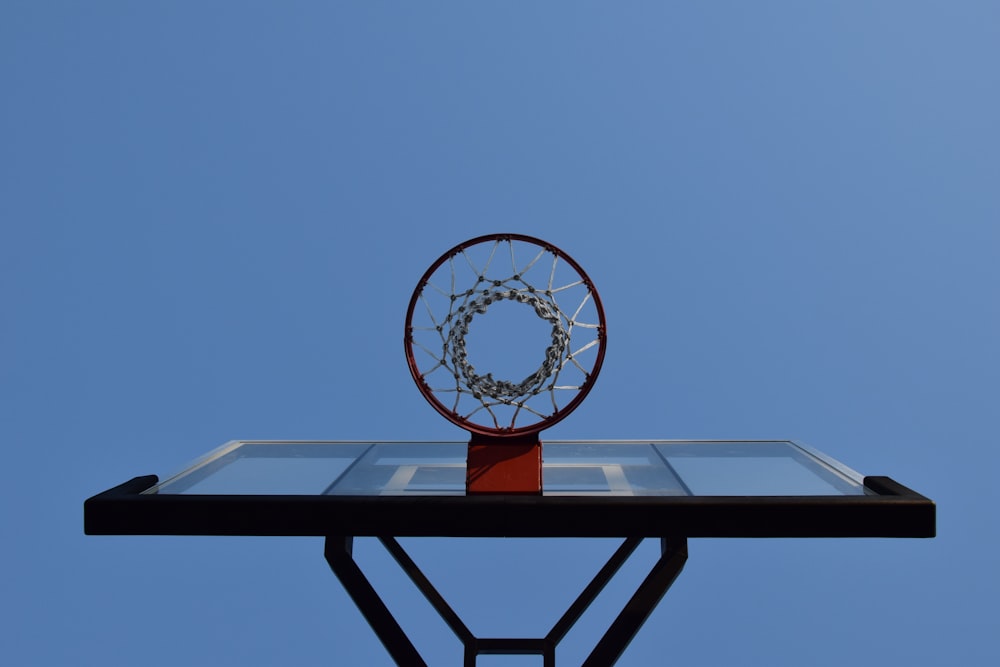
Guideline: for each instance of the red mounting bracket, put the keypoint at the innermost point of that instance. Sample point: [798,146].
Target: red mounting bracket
[504,465]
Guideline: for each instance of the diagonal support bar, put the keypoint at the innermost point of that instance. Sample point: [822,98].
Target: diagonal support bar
[427,588]
[338,555]
[593,589]
[673,555]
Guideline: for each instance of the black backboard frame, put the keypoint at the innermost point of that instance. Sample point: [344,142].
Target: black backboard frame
[888,509]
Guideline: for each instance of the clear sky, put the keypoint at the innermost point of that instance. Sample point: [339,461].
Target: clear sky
[212,215]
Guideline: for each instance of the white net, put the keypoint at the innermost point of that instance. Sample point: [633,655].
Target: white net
[485,387]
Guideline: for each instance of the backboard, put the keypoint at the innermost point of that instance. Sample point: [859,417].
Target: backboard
[666,489]
[652,488]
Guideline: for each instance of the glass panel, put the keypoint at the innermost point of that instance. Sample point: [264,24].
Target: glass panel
[271,475]
[267,469]
[650,468]
[755,469]
[631,469]
[406,468]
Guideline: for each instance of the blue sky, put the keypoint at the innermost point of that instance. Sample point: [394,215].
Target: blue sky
[212,216]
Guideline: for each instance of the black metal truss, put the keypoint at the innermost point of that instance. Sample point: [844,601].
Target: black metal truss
[673,555]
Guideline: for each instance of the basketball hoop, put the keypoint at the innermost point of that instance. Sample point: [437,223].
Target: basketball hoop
[459,288]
